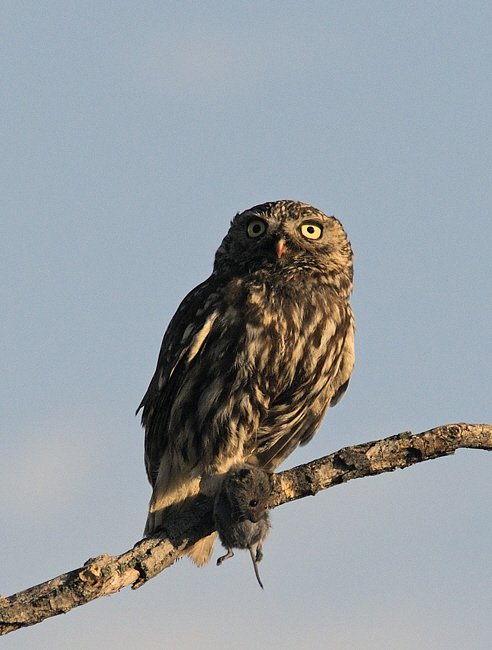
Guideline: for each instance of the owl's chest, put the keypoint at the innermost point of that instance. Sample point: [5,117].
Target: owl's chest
[281,332]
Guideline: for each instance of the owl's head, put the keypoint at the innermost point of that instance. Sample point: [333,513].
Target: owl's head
[286,237]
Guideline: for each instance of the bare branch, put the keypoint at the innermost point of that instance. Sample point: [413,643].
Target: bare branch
[107,574]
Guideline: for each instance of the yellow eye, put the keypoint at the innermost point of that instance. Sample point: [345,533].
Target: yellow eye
[311,230]
[256,228]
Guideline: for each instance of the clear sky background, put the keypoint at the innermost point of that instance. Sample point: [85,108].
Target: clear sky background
[131,134]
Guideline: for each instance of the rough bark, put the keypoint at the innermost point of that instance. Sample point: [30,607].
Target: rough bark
[107,574]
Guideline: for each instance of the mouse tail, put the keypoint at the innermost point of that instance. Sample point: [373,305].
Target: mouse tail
[255,567]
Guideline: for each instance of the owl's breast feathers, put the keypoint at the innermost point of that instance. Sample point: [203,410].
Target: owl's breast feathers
[300,340]
[246,370]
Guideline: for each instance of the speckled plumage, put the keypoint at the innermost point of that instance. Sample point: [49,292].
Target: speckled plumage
[253,356]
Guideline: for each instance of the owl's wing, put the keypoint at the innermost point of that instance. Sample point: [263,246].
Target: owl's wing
[182,340]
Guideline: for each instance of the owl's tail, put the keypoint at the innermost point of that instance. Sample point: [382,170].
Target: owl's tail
[165,502]
[200,552]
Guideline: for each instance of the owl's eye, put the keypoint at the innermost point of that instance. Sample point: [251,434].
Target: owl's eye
[311,230]
[256,228]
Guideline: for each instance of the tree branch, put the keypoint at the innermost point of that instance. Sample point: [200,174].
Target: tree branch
[107,574]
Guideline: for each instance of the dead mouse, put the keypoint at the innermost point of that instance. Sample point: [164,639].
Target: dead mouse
[241,513]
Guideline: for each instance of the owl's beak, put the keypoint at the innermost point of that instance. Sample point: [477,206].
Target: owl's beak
[280,247]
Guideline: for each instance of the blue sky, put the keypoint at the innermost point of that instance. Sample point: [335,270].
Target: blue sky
[131,134]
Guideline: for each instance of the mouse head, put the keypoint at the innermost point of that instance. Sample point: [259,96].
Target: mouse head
[248,491]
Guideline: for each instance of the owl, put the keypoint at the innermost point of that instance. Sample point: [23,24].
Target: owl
[252,358]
